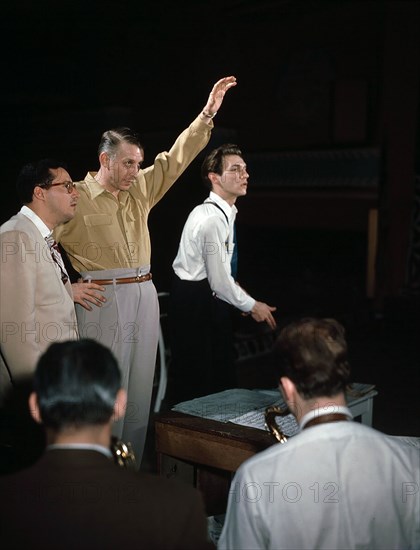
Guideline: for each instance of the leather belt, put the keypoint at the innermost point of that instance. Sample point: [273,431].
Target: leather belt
[121,281]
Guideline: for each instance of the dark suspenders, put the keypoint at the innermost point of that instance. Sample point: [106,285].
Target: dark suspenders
[234,259]
[220,208]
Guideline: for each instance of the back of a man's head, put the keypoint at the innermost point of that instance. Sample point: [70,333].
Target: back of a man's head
[313,354]
[76,383]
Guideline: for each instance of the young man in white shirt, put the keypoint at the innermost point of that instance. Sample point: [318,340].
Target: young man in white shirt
[205,289]
[338,483]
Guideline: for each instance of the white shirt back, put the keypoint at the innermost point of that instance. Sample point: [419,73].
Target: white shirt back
[337,485]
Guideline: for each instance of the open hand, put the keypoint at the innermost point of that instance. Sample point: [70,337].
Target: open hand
[217,94]
[83,293]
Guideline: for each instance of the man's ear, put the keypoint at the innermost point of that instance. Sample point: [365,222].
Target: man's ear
[214,178]
[38,193]
[33,408]
[104,159]
[120,404]
[288,389]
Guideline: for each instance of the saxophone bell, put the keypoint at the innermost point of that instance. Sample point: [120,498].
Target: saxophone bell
[123,453]
[270,421]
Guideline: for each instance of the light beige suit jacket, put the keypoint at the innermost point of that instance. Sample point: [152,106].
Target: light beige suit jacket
[36,309]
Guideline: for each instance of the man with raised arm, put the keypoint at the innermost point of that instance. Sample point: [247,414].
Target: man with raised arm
[108,242]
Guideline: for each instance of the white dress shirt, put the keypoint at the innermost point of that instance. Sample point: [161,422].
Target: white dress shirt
[46,232]
[323,411]
[43,229]
[206,248]
[334,485]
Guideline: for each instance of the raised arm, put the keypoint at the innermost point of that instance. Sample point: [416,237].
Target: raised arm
[216,96]
[168,166]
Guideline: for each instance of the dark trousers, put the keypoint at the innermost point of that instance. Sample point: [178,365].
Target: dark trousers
[201,341]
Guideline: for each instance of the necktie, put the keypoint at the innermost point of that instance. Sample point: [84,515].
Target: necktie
[234,258]
[56,256]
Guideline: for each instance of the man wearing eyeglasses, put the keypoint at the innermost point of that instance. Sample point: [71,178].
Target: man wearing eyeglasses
[36,295]
[108,242]
[204,288]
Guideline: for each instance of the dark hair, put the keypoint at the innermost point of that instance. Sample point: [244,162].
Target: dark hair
[111,140]
[313,354]
[76,383]
[33,174]
[214,161]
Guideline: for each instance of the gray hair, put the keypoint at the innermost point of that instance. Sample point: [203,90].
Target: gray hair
[111,139]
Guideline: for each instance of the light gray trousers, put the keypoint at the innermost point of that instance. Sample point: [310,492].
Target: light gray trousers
[128,323]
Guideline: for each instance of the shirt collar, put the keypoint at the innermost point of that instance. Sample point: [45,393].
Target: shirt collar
[321,411]
[82,447]
[35,219]
[95,189]
[230,211]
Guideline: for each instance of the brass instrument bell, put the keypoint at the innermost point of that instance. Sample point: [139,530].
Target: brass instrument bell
[123,453]
[270,421]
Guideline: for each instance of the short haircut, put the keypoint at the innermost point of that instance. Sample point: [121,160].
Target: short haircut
[214,161]
[33,174]
[313,354]
[76,383]
[111,140]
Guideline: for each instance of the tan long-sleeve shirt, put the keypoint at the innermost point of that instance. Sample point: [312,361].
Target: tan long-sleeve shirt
[109,232]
